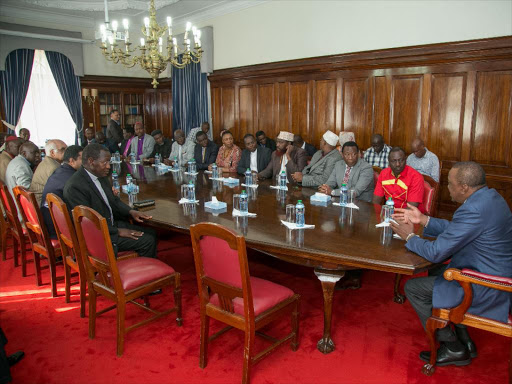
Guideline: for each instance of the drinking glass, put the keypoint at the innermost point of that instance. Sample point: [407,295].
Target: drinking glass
[385,213]
[236,202]
[185,191]
[290,213]
[351,196]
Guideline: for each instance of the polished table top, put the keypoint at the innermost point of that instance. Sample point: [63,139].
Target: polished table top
[343,238]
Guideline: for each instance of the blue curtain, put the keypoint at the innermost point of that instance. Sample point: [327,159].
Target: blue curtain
[189,97]
[69,86]
[14,82]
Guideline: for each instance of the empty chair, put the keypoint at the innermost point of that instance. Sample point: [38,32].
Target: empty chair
[121,281]
[229,294]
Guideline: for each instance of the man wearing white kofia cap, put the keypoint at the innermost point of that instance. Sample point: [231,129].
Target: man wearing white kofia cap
[286,157]
[322,163]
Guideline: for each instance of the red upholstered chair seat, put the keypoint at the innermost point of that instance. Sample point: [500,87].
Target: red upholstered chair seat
[138,271]
[265,295]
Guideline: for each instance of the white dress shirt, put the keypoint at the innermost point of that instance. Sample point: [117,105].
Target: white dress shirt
[254,161]
[102,193]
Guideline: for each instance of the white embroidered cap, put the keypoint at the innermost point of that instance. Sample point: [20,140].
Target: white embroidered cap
[330,138]
[283,135]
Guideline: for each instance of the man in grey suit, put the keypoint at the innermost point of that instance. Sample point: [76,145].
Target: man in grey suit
[254,157]
[142,143]
[19,171]
[322,164]
[353,171]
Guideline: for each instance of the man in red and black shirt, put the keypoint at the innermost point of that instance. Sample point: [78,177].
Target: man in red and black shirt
[400,182]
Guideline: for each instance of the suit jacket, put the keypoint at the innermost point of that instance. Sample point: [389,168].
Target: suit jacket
[5,159]
[111,145]
[479,237]
[310,149]
[270,144]
[55,184]
[147,146]
[298,161]
[80,190]
[320,168]
[18,173]
[210,156]
[114,131]
[164,150]
[360,179]
[43,171]
[122,147]
[263,156]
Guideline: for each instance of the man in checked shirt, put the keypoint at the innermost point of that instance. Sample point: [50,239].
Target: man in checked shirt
[377,154]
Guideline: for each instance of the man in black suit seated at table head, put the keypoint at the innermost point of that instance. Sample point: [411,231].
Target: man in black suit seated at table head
[299,142]
[254,157]
[265,141]
[90,186]
[205,152]
[107,143]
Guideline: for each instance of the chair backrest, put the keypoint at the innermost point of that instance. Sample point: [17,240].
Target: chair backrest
[220,257]
[430,194]
[10,210]
[96,248]
[376,173]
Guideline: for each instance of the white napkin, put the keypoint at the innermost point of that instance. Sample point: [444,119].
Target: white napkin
[250,186]
[397,237]
[208,172]
[350,205]
[294,226]
[231,180]
[187,201]
[217,178]
[384,224]
[236,213]
[192,174]
[280,188]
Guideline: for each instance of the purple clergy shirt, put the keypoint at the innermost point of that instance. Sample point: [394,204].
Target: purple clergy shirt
[139,147]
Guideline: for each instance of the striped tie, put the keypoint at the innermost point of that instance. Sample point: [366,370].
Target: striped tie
[347,174]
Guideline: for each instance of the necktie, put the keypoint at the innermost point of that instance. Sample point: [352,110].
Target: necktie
[347,174]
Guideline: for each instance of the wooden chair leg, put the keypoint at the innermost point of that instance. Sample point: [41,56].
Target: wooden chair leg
[433,323]
[177,299]
[92,312]
[37,262]
[205,331]
[398,297]
[82,295]
[23,247]
[53,276]
[121,312]
[4,243]
[295,326]
[15,252]
[67,281]
[248,351]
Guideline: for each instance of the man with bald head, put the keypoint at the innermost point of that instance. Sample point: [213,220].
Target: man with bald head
[19,171]
[181,150]
[54,150]
[12,147]
[377,154]
[422,160]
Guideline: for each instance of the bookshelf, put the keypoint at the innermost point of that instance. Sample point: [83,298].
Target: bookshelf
[129,104]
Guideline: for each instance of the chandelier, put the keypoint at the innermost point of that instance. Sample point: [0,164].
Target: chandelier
[152,57]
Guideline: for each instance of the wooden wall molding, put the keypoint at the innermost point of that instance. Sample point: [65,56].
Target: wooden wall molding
[456,96]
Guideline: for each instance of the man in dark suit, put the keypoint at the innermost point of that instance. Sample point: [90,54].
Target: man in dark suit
[90,186]
[299,142]
[264,141]
[114,131]
[126,144]
[479,238]
[254,158]
[88,136]
[107,143]
[71,162]
[163,146]
[205,152]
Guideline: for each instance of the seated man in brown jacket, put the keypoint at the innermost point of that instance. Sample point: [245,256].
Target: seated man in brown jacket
[286,158]
[54,150]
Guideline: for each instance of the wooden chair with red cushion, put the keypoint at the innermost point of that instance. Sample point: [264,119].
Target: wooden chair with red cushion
[42,245]
[15,229]
[376,173]
[441,317]
[228,293]
[121,281]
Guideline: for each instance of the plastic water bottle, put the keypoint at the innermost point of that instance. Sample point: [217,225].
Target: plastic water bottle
[117,157]
[391,203]
[192,166]
[244,203]
[299,214]
[344,195]
[42,155]
[191,191]
[132,158]
[282,180]
[115,181]
[129,179]
[157,160]
[248,177]
[176,165]
[215,171]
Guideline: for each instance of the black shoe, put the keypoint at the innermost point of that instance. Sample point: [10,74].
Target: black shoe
[156,292]
[463,336]
[448,357]
[350,282]
[15,358]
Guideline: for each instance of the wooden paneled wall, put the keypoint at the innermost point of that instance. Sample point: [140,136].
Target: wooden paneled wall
[456,96]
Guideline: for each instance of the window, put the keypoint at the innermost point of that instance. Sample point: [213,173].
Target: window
[44,112]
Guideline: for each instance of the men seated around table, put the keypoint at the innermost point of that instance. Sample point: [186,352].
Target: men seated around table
[229,154]
[12,146]
[286,157]
[107,143]
[114,131]
[71,162]
[19,171]
[142,143]
[181,150]
[54,150]
[24,134]
[353,171]
[192,135]
[400,182]
[422,160]
[163,146]
[265,141]
[322,164]
[254,157]
[299,142]
[89,136]
[91,187]
[377,154]
[126,144]
[205,151]
[479,237]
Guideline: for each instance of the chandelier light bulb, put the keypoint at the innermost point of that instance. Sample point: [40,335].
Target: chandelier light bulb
[111,40]
[114,25]
[125,24]
[146,22]
[103,28]
[142,42]
[169,21]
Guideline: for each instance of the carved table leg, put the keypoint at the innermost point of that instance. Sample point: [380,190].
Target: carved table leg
[398,298]
[328,279]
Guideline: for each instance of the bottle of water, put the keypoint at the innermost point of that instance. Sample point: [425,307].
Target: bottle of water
[244,203]
[248,177]
[391,203]
[191,191]
[117,157]
[282,180]
[42,155]
[128,183]
[299,214]
[132,158]
[176,164]
[191,166]
[115,181]
[344,195]
[215,171]
[157,160]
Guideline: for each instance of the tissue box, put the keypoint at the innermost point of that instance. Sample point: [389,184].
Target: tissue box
[215,206]
[231,180]
[320,198]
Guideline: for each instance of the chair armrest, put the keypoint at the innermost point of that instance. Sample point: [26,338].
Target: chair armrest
[126,255]
[474,277]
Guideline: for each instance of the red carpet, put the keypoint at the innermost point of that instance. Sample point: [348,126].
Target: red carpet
[377,340]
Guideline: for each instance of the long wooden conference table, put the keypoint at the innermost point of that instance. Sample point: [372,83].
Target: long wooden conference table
[342,239]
